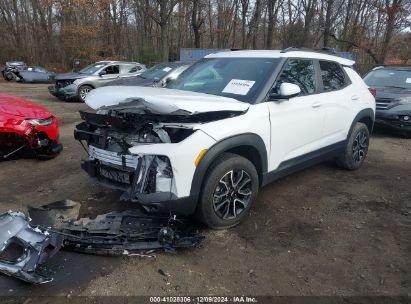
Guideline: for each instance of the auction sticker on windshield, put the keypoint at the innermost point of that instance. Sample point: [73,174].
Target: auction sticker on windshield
[408,80]
[167,69]
[238,86]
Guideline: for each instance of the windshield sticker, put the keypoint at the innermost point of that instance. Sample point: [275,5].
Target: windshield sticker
[238,86]
[167,69]
[408,80]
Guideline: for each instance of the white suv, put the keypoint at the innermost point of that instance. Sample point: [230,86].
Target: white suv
[228,125]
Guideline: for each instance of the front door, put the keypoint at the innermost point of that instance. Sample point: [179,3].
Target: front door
[296,123]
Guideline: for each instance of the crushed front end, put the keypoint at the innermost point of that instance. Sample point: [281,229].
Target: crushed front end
[131,152]
[30,137]
[64,90]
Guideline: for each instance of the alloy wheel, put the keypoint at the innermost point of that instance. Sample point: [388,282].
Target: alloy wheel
[84,92]
[232,194]
[360,147]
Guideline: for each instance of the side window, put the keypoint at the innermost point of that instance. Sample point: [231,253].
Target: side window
[300,72]
[332,75]
[112,69]
[129,68]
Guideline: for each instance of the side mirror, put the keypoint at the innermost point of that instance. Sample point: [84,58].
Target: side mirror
[101,73]
[288,90]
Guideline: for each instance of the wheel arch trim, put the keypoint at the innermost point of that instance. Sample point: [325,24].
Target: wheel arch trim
[250,140]
[367,116]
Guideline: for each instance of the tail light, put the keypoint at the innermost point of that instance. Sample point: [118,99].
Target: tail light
[373,91]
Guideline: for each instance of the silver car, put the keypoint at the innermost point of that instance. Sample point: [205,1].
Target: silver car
[73,86]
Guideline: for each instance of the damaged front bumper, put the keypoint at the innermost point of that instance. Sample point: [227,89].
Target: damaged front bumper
[67,93]
[33,144]
[147,179]
[24,248]
[152,165]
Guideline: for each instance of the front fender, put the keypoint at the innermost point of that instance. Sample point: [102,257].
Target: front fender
[248,139]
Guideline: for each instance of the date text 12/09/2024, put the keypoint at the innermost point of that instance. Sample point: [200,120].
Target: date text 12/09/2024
[207,299]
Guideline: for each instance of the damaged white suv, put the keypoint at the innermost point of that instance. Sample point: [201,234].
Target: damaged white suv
[228,125]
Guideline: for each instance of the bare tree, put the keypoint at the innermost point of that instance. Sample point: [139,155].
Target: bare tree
[197,20]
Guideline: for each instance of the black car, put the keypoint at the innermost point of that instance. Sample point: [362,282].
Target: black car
[159,75]
[393,96]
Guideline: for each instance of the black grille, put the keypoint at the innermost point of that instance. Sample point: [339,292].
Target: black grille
[383,103]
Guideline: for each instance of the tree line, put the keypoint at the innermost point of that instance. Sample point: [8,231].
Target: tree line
[55,32]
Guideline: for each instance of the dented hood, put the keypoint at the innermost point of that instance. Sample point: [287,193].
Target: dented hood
[161,101]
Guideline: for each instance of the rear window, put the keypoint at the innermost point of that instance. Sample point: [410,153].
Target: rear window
[332,75]
[389,78]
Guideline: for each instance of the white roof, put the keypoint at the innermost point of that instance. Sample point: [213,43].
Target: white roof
[278,54]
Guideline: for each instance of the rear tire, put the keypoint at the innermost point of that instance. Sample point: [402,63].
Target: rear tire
[356,149]
[83,91]
[229,189]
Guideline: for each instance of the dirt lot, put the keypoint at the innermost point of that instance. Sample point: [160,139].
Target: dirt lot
[322,231]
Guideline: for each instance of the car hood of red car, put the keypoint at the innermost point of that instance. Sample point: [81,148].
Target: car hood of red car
[12,105]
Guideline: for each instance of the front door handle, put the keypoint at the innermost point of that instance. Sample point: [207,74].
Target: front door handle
[316,104]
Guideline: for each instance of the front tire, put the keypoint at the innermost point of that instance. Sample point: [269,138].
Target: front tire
[229,190]
[9,76]
[83,91]
[356,149]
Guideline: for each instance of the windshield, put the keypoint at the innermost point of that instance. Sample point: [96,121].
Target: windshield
[239,78]
[157,72]
[389,78]
[91,69]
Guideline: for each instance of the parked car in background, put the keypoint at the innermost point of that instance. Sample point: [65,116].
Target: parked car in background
[158,75]
[11,70]
[231,123]
[392,85]
[76,86]
[35,74]
[27,129]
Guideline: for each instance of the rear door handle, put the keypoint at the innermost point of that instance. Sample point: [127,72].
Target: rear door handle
[316,104]
[355,97]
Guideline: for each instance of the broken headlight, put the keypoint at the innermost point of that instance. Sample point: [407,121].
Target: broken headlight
[155,175]
[41,122]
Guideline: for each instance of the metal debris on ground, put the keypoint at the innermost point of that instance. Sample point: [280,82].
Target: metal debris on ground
[124,233]
[24,247]
[26,244]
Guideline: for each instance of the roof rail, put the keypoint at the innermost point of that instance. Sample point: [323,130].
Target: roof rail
[325,50]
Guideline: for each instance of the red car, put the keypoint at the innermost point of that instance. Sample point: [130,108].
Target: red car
[27,129]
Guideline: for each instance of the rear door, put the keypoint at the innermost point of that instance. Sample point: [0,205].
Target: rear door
[296,123]
[129,70]
[336,101]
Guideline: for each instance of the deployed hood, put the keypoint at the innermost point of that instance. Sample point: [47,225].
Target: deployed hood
[21,107]
[70,76]
[148,100]
[15,63]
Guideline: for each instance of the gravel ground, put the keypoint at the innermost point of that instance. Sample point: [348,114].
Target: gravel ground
[322,231]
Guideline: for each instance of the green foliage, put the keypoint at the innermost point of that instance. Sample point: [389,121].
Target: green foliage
[149,56]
